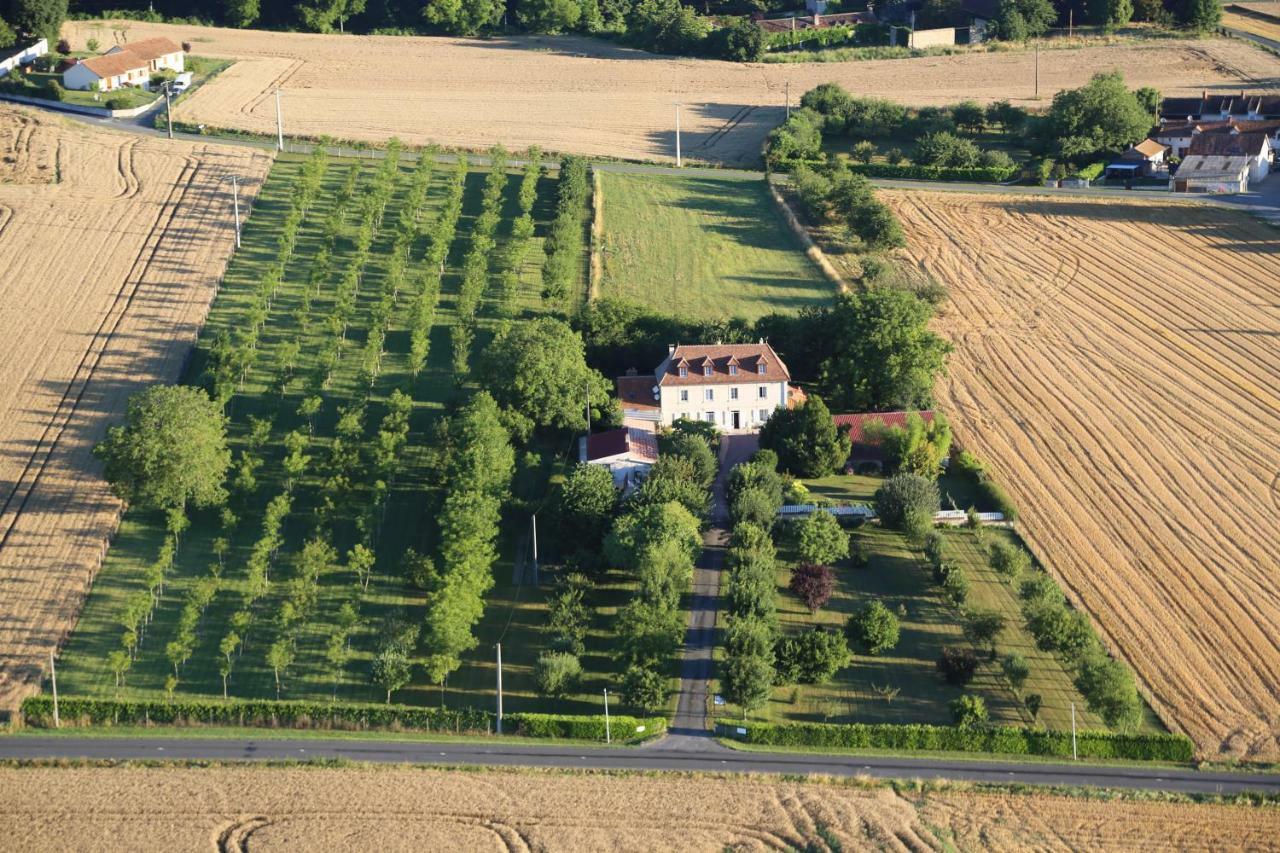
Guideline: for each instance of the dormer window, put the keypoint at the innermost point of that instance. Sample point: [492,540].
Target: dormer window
[760,368]
[684,371]
[706,370]
[733,370]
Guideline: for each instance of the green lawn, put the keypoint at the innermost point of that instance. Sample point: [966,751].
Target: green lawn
[514,613]
[703,247]
[898,576]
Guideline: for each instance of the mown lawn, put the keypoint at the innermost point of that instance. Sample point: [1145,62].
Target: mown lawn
[702,247]
[514,614]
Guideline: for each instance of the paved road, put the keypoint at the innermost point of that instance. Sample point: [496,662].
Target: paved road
[723,761]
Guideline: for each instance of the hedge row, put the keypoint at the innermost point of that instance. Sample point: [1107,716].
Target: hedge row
[994,739]
[911,171]
[38,711]
[583,728]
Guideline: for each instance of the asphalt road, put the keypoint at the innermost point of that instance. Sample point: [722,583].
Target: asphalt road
[651,757]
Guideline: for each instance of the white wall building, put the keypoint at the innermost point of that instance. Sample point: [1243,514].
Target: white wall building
[15,56]
[734,386]
[127,65]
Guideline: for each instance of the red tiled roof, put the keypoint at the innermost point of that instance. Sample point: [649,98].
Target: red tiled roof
[640,444]
[1228,144]
[149,49]
[857,424]
[636,392]
[747,357]
[114,64]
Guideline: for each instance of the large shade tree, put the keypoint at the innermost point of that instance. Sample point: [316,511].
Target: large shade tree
[170,451]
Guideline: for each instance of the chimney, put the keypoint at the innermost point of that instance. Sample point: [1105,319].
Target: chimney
[817,19]
[631,371]
[671,349]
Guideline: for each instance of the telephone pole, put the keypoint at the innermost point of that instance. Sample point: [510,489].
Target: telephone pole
[535,549]
[678,161]
[168,107]
[608,735]
[1075,756]
[279,124]
[788,84]
[499,688]
[235,204]
[53,675]
[1037,70]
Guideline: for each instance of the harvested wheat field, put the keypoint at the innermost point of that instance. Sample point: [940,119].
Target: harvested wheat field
[1117,366]
[585,96]
[260,808]
[105,277]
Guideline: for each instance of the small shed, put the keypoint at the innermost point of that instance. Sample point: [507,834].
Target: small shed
[1146,159]
[628,453]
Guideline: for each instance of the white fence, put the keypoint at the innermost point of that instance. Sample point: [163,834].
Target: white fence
[947,516]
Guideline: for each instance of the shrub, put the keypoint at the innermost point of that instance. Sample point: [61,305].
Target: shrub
[894,156]
[557,673]
[982,627]
[969,711]
[813,584]
[820,539]
[957,665]
[585,727]
[118,102]
[915,171]
[864,151]
[934,544]
[1033,703]
[1110,692]
[946,149]
[644,687]
[874,629]
[908,502]
[1016,669]
[955,585]
[1009,560]
[990,739]
[996,160]
[741,40]
[812,657]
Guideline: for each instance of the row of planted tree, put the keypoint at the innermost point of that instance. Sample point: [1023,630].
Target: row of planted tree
[301,311]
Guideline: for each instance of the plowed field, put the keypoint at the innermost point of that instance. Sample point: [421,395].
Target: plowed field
[1118,366]
[105,277]
[586,96]
[242,808]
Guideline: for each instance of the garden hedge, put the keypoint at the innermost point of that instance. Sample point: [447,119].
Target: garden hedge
[911,171]
[38,711]
[992,739]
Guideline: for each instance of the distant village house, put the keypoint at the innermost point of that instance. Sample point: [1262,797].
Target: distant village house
[125,65]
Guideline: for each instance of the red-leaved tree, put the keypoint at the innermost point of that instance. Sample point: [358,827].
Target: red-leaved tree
[814,584]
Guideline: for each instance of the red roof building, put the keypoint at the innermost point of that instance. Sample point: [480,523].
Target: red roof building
[866,449]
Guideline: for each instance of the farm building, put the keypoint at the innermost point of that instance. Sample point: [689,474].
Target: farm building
[1204,173]
[734,386]
[128,65]
[867,451]
[628,453]
[1220,107]
[1146,159]
[1178,135]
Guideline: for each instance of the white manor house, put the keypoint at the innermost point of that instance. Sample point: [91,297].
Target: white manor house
[734,386]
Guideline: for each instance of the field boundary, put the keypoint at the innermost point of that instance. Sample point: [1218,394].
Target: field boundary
[811,248]
[597,236]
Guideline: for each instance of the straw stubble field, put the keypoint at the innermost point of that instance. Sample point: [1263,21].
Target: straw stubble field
[111,247]
[260,808]
[586,96]
[1116,365]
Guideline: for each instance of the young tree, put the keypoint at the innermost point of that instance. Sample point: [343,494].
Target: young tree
[694,449]
[1016,669]
[821,539]
[280,658]
[1100,117]
[171,450]
[585,508]
[1009,560]
[1033,701]
[557,673]
[982,627]
[1198,14]
[917,448]
[811,657]
[908,502]
[322,16]
[1110,692]
[874,628]
[568,615]
[119,661]
[635,532]
[360,561]
[38,18]
[644,688]
[463,17]
[392,668]
[813,584]
[969,711]
[957,665]
[805,439]
[748,681]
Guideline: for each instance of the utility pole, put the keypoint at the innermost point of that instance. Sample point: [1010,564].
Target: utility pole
[279,124]
[678,161]
[608,735]
[1075,756]
[1071,22]
[499,688]
[1037,70]
[53,675]
[168,106]
[588,399]
[788,99]
[535,549]
[235,205]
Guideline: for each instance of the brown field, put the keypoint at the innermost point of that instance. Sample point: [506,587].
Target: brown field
[1117,366]
[585,96]
[1251,24]
[105,277]
[238,808]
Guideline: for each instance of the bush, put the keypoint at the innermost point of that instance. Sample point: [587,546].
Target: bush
[864,151]
[738,41]
[813,584]
[557,673]
[874,629]
[957,665]
[955,585]
[1009,560]
[584,728]
[912,171]
[990,739]
[1091,172]
[820,539]
[908,502]
[644,688]
[118,102]
[969,711]
[946,149]
[812,657]
[934,545]
[1016,669]
[894,156]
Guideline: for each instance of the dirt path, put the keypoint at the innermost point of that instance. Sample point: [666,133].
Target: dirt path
[570,94]
[1116,365]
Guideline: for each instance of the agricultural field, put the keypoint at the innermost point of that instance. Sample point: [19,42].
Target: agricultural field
[270,808]
[1261,19]
[362,316]
[585,96]
[1116,364]
[111,250]
[702,247]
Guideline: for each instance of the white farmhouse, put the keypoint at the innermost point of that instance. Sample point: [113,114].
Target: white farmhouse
[734,386]
[125,65]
